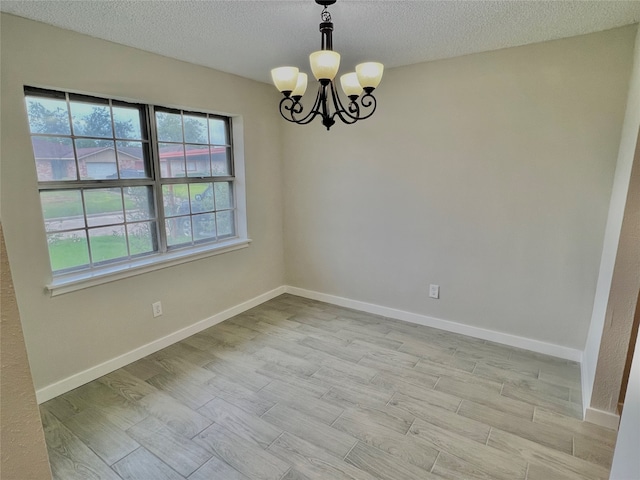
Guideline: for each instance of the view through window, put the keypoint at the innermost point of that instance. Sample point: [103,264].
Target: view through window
[120,181]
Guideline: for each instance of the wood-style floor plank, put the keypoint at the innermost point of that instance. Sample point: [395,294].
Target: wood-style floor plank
[70,458]
[454,468]
[295,389]
[303,426]
[360,426]
[177,416]
[246,457]
[314,462]
[577,427]
[100,435]
[217,468]
[485,396]
[473,429]
[384,466]
[246,425]
[297,398]
[500,465]
[554,459]
[142,464]
[177,451]
[543,434]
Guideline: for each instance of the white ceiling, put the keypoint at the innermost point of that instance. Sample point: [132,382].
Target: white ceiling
[248,38]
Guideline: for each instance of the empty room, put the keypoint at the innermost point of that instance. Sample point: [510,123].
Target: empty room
[302,240]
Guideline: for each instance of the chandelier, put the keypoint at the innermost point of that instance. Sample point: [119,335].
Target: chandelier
[324,65]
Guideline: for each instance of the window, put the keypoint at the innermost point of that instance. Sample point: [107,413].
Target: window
[121,182]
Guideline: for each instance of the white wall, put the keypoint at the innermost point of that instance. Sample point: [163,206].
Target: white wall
[489,175]
[626,152]
[73,332]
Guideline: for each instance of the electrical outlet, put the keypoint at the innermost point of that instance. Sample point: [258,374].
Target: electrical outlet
[157,309]
[434,291]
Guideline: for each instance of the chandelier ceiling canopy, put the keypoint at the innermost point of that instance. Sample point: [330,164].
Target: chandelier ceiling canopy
[358,86]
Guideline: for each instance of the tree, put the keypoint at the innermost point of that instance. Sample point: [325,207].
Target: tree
[96,124]
[42,120]
[170,128]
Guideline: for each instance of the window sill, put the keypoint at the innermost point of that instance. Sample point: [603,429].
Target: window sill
[79,280]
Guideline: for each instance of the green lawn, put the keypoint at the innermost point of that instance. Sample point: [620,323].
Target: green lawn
[69,253]
[68,203]
[181,192]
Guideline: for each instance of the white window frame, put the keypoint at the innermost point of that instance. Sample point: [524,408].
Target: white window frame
[165,256]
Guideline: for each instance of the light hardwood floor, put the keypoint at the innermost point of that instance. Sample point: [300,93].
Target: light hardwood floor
[296,389]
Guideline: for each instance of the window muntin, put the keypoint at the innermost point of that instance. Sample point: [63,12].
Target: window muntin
[110,194]
[192,148]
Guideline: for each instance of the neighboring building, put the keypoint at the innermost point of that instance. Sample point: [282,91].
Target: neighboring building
[55,161]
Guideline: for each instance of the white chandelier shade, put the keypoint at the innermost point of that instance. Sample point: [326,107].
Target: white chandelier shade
[350,84]
[301,85]
[324,64]
[369,74]
[285,78]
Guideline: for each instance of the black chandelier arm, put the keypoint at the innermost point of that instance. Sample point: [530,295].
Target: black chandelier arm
[294,107]
[368,101]
[347,117]
[352,113]
[357,109]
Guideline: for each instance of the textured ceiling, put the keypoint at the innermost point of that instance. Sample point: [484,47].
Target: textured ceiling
[248,38]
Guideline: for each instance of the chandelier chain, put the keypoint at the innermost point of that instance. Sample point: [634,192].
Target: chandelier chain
[325,15]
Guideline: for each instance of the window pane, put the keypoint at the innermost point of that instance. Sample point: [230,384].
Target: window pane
[141,238]
[225,224]
[138,204]
[201,195]
[169,126]
[94,143]
[198,161]
[220,161]
[48,115]
[96,159]
[55,159]
[175,199]
[171,160]
[68,250]
[195,129]
[131,160]
[127,122]
[217,131]
[62,210]
[224,197]
[108,243]
[103,206]
[178,230]
[91,119]
[204,226]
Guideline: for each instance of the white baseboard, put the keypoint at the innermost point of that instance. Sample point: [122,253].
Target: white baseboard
[58,388]
[477,332]
[586,384]
[602,418]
